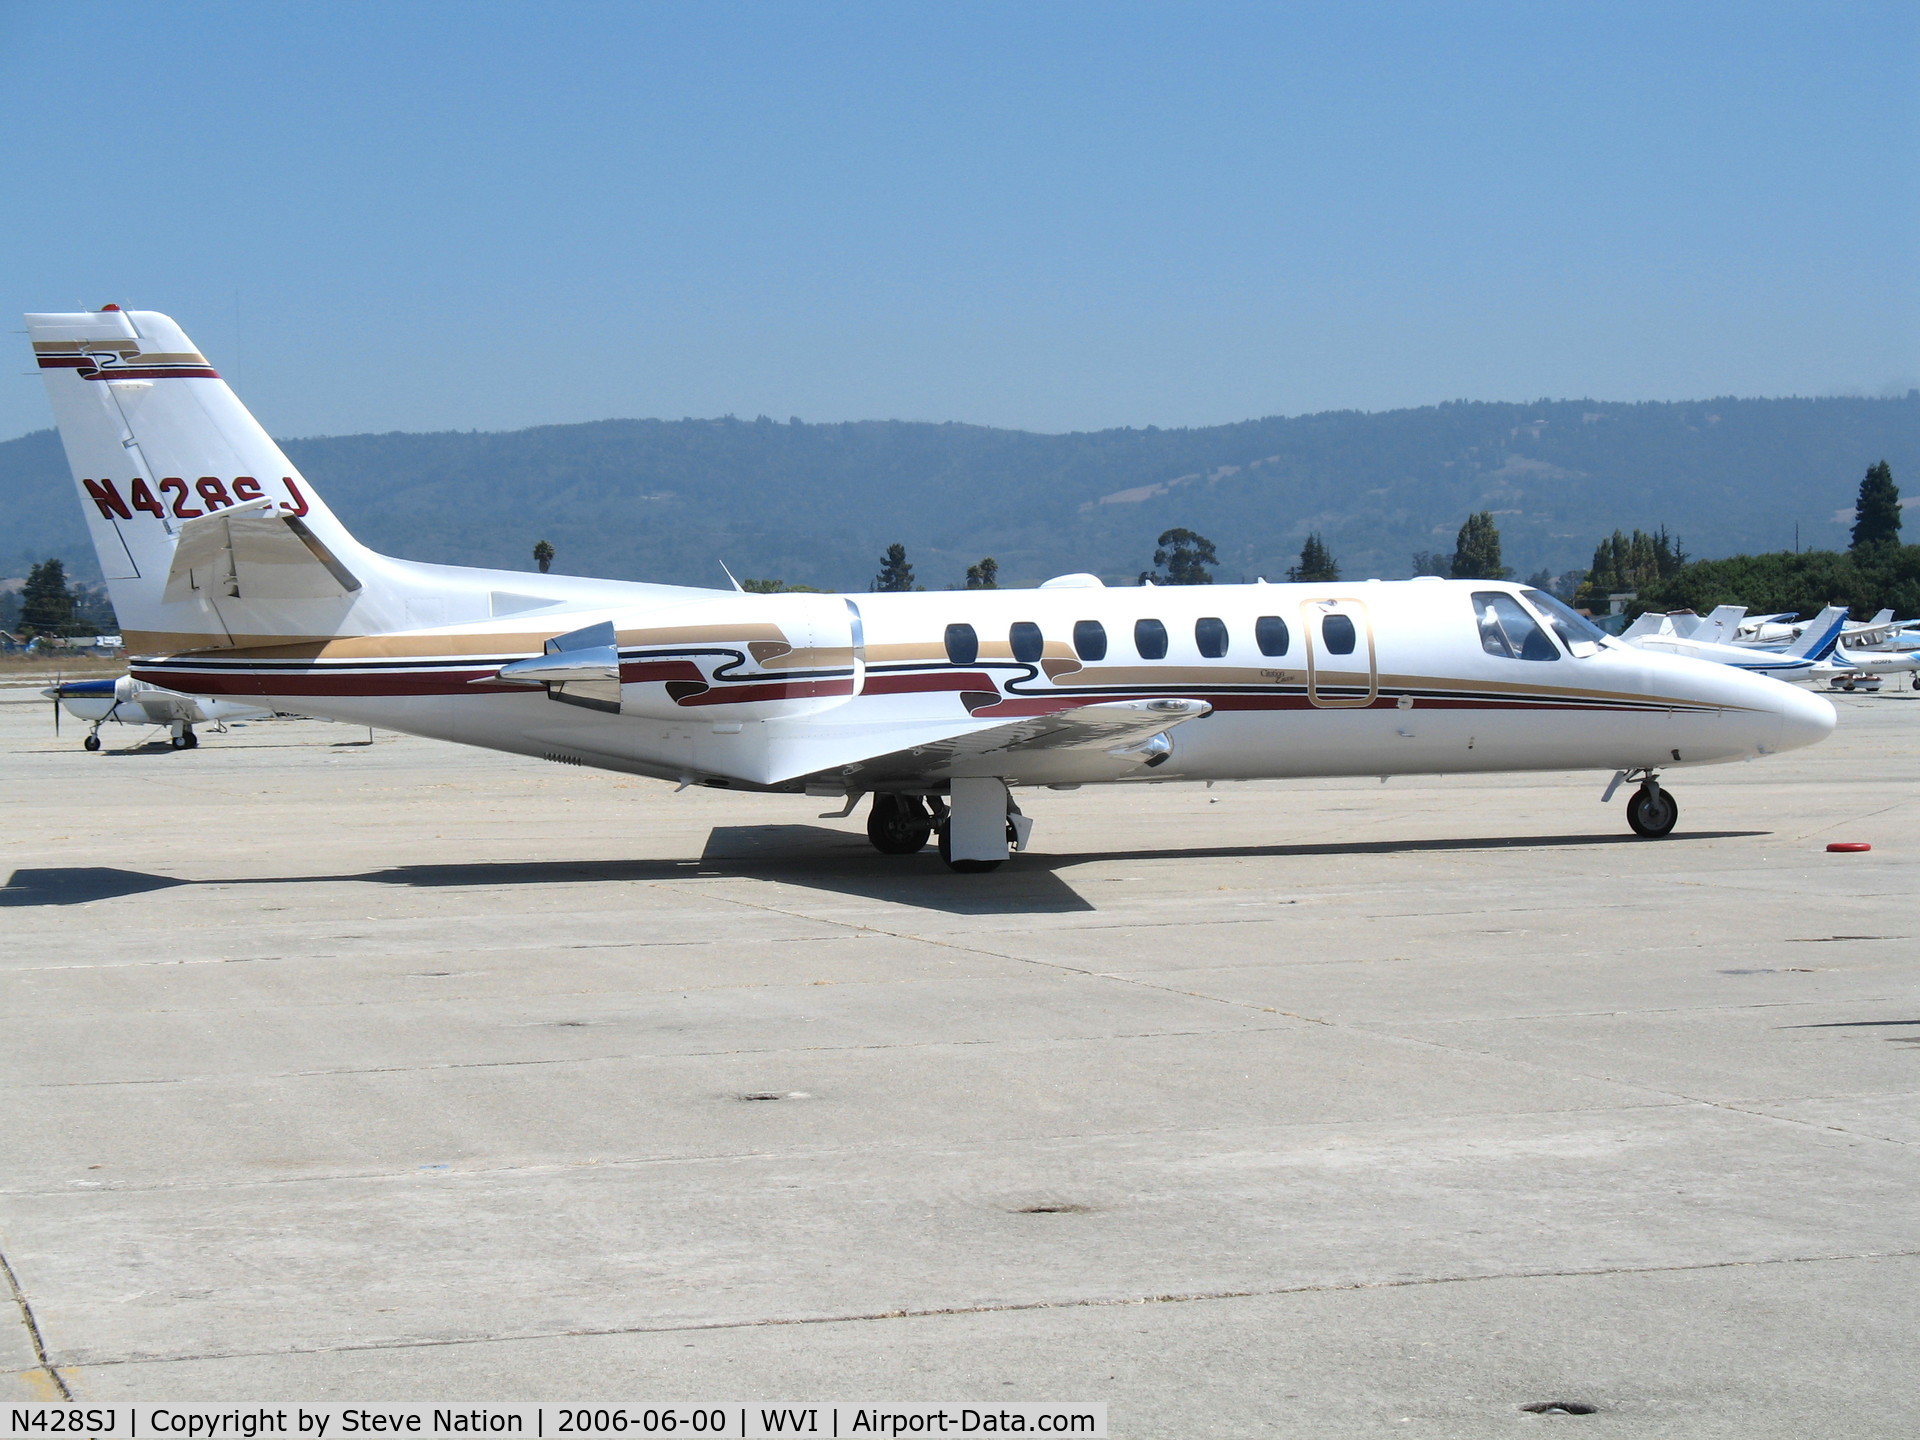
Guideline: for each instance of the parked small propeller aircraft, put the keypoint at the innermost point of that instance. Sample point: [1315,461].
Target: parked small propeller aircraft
[231,577]
[1849,666]
[127,701]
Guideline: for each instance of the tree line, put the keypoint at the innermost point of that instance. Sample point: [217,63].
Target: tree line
[1876,571]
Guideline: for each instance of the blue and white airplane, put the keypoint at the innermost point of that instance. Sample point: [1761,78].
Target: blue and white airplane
[128,701]
[1809,658]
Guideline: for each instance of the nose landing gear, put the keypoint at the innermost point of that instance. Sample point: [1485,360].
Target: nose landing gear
[1651,811]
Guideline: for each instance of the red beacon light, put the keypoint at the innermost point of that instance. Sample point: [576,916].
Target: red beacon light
[105,308]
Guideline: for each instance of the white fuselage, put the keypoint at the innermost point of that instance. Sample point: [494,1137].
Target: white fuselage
[793,691]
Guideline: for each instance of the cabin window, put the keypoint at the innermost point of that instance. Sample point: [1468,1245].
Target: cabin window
[1210,634]
[1338,634]
[1507,630]
[1150,639]
[963,646]
[1024,637]
[1270,634]
[1089,639]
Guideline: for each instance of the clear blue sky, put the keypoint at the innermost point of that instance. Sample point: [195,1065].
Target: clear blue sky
[1055,216]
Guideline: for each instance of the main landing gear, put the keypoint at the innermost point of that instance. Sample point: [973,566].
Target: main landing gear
[184,738]
[978,825]
[1651,810]
[899,824]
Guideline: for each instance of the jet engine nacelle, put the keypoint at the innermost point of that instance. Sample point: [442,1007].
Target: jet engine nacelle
[749,657]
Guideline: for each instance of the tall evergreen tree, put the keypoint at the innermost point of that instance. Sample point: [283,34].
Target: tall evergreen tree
[1476,550]
[46,601]
[1182,559]
[1316,562]
[985,575]
[895,572]
[1876,514]
[1625,564]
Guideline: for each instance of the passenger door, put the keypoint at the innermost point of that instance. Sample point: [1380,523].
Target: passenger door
[1343,669]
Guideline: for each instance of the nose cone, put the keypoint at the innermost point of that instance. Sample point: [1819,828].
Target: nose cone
[1804,716]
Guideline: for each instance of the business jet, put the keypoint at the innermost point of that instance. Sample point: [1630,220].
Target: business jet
[127,701]
[232,578]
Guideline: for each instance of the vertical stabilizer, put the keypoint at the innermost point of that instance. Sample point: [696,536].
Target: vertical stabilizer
[159,447]
[1822,634]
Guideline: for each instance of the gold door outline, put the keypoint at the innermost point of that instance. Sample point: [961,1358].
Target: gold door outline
[1312,612]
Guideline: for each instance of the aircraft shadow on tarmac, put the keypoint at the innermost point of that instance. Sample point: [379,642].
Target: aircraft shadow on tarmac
[809,856]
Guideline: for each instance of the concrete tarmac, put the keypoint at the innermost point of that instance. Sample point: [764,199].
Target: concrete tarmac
[342,1069]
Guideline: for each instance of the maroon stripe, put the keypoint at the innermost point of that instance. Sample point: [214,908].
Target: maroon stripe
[644,671]
[926,683]
[456,682]
[785,690]
[156,372]
[220,683]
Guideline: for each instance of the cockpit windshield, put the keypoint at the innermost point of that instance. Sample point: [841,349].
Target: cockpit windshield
[1567,621]
[1506,629]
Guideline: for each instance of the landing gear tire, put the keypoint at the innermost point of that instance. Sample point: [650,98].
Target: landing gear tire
[964,867]
[899,824]
[1652,812]
[92,742]
[187,741]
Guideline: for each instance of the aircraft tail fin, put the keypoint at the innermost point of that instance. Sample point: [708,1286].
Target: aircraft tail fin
[1822,634]
[1647,623]
[207,535]
[1722,625]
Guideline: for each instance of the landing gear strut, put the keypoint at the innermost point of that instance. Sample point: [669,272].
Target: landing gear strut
[983,826]
[184,738]
[899,824]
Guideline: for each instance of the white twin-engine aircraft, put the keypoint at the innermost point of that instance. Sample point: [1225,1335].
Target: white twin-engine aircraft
[232,578]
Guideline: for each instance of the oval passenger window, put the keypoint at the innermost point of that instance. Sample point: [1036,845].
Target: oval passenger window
[1089,639]
[1024,637]
[1270,634]
[963,646]
[1337,631]
[1150,639]
[1210,634]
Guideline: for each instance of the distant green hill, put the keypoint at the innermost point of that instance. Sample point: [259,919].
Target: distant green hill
[669,500]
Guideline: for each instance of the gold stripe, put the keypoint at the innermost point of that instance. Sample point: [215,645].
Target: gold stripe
[125,348]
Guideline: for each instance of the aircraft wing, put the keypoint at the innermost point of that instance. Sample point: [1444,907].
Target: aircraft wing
[256,551]
[1085,743]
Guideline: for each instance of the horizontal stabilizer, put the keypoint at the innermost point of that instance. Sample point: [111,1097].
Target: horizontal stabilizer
[254,551]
